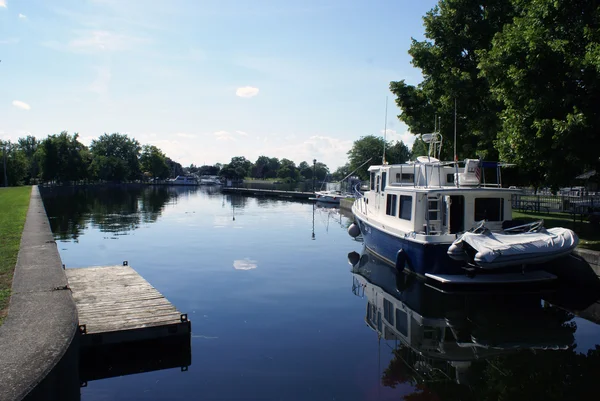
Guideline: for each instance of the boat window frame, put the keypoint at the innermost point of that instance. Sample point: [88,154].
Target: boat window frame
[402,328]
[388,311]
[372,180]
[409,208]
[391,207]
[383,180]
[486,214]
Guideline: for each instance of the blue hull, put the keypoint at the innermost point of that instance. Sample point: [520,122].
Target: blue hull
[420,258]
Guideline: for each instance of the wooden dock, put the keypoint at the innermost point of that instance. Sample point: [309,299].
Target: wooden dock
[115,305]
[269,192]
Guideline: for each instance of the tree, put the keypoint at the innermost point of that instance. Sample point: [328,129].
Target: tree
[371,147]
[63,158]
[116,157]
[341,172]
[288,170]
[238,168]
[28,146]
[175,168]
[261,167]
[321,171]
[153,161]
[419,148]
[16,164]
[305,170]
[457,30]
[544,68]
[209,170]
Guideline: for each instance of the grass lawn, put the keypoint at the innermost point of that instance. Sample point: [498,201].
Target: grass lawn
[14,203]
[589,235]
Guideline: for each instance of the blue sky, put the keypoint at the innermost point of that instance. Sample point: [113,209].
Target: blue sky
[208,80]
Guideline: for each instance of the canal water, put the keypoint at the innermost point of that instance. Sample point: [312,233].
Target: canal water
[279,313]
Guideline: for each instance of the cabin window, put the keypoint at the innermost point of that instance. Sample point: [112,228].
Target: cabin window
[432,209]
[383,180]
[390,207]
[388,311]
[490,209]
[372,181]
[377,186]
[449,178]
[405,177]
[405,207]
[401,322]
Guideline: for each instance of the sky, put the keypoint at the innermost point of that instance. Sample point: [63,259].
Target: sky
[209,80]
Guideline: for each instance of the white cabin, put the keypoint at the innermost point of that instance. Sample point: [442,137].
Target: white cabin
[434,200]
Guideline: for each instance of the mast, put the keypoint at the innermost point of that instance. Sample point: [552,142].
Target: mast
[385,129]
[455,158]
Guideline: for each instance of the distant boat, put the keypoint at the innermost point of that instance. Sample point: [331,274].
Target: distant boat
[183,180]
[330,196]
[209,180]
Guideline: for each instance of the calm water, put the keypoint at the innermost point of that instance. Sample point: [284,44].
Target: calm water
[278,313]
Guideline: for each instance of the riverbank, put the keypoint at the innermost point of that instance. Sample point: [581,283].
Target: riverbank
[38,338]
[14,202]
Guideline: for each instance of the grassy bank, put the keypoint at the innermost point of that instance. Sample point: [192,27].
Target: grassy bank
[589,235]
[13,210]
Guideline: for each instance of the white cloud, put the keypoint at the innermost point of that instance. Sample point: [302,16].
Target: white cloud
[21,105]
[247,91]
[92,41]
[100,84]
[244,264]
[22,16]
[242,133]
[223,136]
[3,3]
[9,41]
[407,137]
[185,135]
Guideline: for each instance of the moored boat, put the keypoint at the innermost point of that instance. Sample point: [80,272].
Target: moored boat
[330,196]
[414,212]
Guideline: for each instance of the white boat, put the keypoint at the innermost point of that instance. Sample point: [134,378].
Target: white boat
[414,212]
[535,244]
[330,196]
[183,180]
[210,180]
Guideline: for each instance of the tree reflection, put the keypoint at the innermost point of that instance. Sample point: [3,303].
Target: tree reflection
[112,209]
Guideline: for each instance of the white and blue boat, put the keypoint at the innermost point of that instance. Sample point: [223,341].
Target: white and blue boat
[414,212]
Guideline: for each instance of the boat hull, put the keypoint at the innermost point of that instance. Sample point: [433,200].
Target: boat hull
[419,258]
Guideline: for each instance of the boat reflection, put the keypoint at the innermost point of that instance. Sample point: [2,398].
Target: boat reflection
[458,338]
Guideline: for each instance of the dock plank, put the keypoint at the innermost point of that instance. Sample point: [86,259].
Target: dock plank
[116,303]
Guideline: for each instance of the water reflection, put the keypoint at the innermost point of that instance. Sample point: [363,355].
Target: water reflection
[111,209]
[473,346]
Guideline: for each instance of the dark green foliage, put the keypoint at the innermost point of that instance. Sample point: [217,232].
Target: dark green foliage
[62,158]
[16,164]
[371,147]
[115,157]
[153,162]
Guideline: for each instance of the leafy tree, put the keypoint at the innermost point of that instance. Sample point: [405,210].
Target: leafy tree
[63,158]
[274,165]
[288,170]
[174,168]
[28,146]
[305,170]
[209,170]
[341,172]
[544,68]
[237,169]
[371,147]
[261,167]
[419,148]
[456,30]
[116,157]
[16,164]
[153,161]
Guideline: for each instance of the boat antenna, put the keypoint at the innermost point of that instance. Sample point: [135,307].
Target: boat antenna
[385,129]
[455,158]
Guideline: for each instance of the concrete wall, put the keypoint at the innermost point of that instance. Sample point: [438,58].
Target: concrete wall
[38,347]
[346,205]
[592,257]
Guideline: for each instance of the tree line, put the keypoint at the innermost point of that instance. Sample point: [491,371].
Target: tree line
[64,159]
[115,157]
[525,76]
